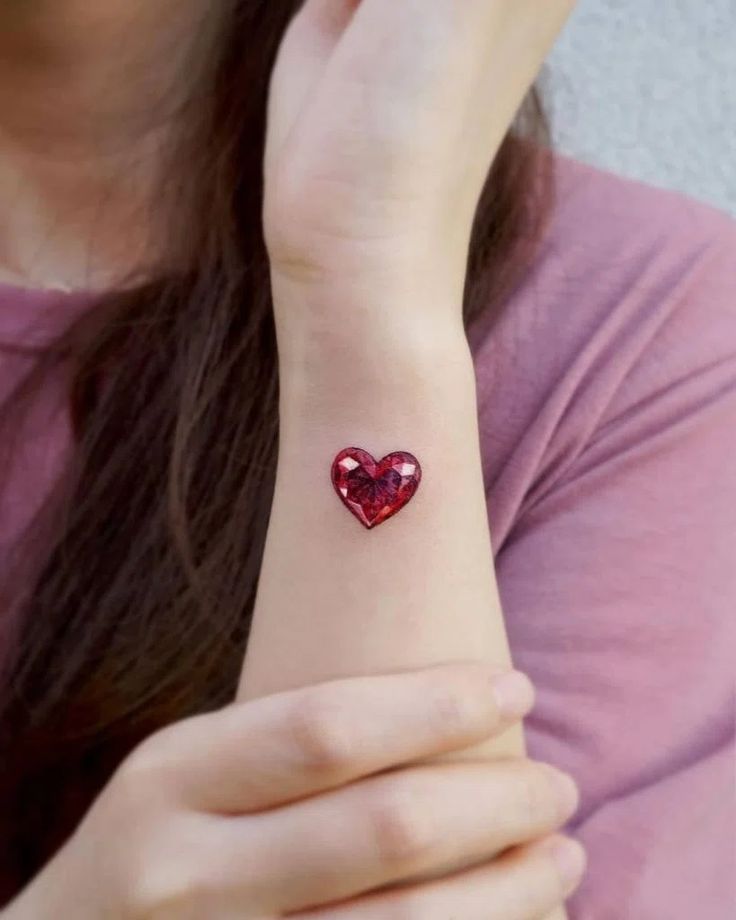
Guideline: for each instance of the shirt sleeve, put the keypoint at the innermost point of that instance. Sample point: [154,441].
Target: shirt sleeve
[618,582]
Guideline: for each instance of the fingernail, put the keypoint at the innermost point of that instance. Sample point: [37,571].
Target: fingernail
[514,694]
[570,860]
[566,791]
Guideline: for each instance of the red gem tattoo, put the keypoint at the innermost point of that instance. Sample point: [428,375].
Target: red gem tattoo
[371,490]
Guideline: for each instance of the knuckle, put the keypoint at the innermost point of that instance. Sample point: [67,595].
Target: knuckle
[141,773]
[401,827]
[158,871]
[166,879]
[142,784]
[161,891]
[133,781]
[320,730]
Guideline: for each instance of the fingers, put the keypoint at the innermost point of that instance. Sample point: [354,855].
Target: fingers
[255,755]
[395,827]
[523,884]
[419,94]
[307,43]
[418,47]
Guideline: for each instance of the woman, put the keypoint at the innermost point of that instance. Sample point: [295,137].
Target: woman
[367,759]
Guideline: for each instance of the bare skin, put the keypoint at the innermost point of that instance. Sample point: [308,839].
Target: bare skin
[86,95]
[391,258]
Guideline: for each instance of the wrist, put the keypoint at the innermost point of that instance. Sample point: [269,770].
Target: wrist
[355,315]
[357,365]
[378,329]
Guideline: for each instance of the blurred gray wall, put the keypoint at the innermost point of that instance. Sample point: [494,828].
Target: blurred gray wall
[647,88]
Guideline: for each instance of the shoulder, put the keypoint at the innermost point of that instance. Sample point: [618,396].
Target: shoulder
[584,189]
[635,248]
[607,399]
[633,289]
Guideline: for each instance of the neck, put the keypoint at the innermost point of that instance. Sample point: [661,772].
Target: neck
[87,95]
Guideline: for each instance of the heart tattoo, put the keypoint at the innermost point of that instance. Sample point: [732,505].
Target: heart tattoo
[373,491]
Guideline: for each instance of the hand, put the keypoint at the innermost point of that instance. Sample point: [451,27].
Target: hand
[313,796]
[384,119]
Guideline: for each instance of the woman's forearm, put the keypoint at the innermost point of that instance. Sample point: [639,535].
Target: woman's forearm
[382,128]
[334,598]
[376,157]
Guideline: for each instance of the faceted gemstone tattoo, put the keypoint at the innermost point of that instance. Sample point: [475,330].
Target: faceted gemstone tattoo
[371,490]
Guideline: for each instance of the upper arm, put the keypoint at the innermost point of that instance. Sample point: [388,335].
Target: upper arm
[618,582]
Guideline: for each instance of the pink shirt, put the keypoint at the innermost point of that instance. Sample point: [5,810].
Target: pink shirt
[607,403]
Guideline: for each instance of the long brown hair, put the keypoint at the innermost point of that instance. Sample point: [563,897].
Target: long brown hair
[148,550]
